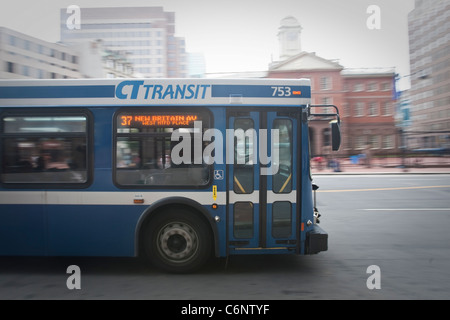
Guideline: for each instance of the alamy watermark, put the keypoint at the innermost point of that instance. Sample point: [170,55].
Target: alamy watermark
[74,280]
[374,280]
[373,22]
[241,147]
[73,22]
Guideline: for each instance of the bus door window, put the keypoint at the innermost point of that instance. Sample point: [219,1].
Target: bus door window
[243,157]
[281,219]
[282,180]
[243,177]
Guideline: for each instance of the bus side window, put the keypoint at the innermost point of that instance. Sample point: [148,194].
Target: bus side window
[46,149]
[146,155]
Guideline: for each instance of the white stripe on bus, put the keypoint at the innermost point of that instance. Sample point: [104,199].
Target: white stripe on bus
[103,197]
[128,197]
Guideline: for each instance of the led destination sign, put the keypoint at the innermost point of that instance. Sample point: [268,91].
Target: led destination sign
[157,120]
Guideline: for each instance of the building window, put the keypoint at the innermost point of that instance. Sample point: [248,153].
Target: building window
[26,71]
[374,141]
[12,40]
[346,87]
[26,45]
[388,142]
[347,110]
[10,67]
[358,87]
[326,137]
[360,142]
[325,83]
[359,109]
[348,143]
[373,109]
[386,109]
[385,86]
[110,63]
[373,86]
[327,100]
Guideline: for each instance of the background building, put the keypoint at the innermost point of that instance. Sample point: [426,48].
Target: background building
[429,48]
[22,56]
[326,88]
[363,96]
[368,112]
[146,34]
[196,65]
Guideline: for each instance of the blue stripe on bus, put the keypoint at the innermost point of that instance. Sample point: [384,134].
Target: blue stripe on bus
[258,91]
[43,92]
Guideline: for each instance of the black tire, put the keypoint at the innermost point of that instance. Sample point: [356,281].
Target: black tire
[177,241]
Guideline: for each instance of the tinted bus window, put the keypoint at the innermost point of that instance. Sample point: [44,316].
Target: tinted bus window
[282,181]
[155,148]
[243,157]
[44,149]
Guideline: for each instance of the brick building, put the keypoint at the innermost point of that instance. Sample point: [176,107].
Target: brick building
[363,97]
[368,112]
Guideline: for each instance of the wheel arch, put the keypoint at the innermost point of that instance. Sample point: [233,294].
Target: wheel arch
[162,205]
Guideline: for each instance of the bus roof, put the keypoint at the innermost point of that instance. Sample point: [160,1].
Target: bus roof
[145,92]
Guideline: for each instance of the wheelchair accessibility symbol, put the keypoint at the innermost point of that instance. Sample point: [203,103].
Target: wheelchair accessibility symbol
[218,174]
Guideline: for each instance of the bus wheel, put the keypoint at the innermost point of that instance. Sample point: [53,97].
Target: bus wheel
[177,241]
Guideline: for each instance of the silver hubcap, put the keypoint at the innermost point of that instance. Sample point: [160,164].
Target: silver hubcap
[177,241]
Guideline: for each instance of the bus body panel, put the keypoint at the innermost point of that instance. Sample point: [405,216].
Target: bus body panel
[22,230]
[101,217]
[90,231]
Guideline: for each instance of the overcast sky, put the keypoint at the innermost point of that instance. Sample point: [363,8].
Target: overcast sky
[241,35]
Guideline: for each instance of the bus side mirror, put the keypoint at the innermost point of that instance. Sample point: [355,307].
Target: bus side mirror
[335,135]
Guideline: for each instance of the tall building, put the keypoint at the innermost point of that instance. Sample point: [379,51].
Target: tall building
[429,49]
[147,34]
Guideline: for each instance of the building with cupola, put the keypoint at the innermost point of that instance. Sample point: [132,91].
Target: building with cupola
[363,97]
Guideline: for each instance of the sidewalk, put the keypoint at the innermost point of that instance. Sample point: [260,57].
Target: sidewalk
[432,165]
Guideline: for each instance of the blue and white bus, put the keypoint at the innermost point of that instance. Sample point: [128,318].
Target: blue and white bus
[174,170]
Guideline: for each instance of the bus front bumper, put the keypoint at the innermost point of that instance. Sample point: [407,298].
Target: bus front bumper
[316,240]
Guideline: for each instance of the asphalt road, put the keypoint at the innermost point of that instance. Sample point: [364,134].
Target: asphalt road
[398,223]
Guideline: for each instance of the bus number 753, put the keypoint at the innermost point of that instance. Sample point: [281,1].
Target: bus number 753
[281,91]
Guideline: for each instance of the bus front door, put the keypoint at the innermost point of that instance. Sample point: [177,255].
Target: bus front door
[262,181]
